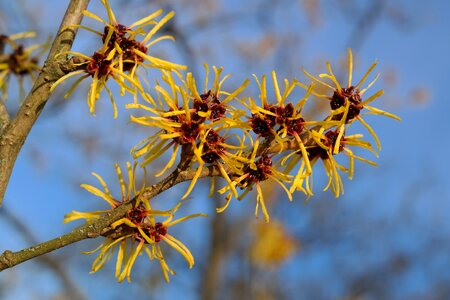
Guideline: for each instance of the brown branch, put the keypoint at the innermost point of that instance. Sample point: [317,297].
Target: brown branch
[4,117]
[15,133]
[9,259]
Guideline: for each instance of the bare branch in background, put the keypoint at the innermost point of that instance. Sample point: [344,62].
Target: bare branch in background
[365,22]
[219,247]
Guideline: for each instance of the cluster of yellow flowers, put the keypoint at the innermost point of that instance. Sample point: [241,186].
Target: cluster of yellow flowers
[247,141]
[19,61]
[137,232]
[119,57]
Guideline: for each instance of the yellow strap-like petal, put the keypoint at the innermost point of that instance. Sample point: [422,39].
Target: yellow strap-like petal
[98,193]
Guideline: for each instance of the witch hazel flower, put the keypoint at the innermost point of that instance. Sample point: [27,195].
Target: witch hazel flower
[120,57]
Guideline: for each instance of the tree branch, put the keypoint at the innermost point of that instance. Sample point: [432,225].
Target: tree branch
[4,117]
[9,259]
[16,132]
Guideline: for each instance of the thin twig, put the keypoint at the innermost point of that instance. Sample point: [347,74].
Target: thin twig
[9,259]
[101,226]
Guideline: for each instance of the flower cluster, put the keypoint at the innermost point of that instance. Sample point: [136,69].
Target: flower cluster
[217,132]
[137,232]
[19,61]
[346,103]
[121,54]
[193,121]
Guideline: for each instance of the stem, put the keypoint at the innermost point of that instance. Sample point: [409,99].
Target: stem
[15,133]
[10,259]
